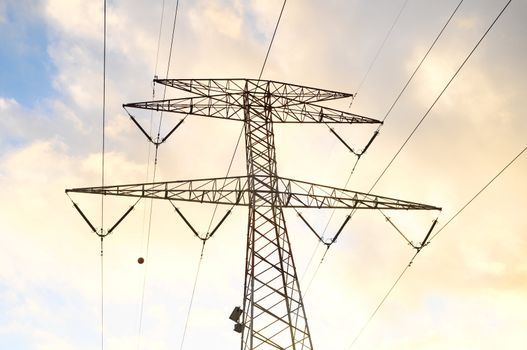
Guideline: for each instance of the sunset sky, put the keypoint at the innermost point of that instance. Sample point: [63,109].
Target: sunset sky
[466,290]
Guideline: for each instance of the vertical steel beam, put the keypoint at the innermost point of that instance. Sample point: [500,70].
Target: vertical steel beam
[274,315]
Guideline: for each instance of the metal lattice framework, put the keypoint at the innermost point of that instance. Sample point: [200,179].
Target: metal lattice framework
[273,315]
[234,190]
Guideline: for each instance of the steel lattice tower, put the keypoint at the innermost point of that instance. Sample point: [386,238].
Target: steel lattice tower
[273,314]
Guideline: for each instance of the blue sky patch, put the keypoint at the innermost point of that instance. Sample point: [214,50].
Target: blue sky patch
[25,67]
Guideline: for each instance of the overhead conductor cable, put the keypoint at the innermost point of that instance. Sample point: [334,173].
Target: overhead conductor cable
[424,242]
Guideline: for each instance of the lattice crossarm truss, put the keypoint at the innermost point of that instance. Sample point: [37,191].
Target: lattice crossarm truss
[225,106]
[281,93]
[230,106]
[302,194]
[230,190]
[234,191]
[312,113]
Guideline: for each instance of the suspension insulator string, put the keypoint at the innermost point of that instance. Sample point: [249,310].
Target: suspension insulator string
[388,219]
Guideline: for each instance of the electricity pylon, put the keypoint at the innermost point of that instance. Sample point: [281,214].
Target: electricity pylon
[273,315]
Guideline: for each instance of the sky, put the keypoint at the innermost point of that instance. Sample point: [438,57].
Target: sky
[466,290]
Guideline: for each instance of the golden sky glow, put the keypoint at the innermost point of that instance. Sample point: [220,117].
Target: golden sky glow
[466,290]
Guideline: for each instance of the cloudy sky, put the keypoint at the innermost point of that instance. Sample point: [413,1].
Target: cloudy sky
[466,290]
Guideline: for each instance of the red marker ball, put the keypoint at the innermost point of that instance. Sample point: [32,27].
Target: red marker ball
[140,260]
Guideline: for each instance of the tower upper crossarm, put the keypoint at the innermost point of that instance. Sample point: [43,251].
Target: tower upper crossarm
[310,113]
[230,106]
[224,106]
[278,90]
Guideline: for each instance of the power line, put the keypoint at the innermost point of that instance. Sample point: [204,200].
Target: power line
[172,39]
[433,104]
[102,168]
[192,296]
[102,295]
[153,97]
[388,113]
[153,94]
[149,229]
[417,251]
[381,47]
[479,192]
[232,158]
[159,36]
[272,39]
[168,65]
[228,171]
[259,77]
[103,151]
[421,62]
[408,82]
[316,270]
[277,276]
[384,299]
[441,229]
[439,96]
[411,77]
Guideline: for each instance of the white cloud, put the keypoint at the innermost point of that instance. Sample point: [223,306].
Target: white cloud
[222,19]
[474,268]
[76,18]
